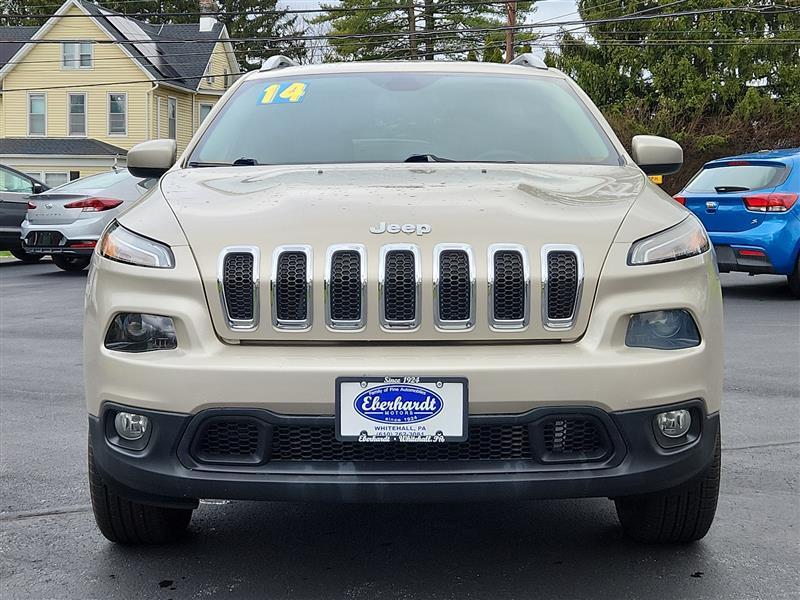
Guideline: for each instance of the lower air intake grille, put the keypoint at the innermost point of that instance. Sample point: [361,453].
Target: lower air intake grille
[345,286]
[509,286]
[291,291]
[455,302]
[237,285]
[231,440]
[573,438]
[485,442]
[562,284]
[400,286]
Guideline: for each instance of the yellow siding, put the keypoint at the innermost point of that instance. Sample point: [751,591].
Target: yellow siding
[2,118]
[110,65]
[185,116]
[218,64]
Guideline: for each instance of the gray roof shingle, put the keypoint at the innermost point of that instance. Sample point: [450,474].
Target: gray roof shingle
[154,55]
[59,146]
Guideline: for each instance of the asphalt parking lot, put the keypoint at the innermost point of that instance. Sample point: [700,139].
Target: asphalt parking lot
[49,547]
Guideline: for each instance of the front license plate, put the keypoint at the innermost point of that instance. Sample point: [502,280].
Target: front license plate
[401,409]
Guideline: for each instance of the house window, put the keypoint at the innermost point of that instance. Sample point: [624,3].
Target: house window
[225,79]
[77,114]
[204,110]
[172,118]
[118,114]
[55,179]
[37,114]
[76,55]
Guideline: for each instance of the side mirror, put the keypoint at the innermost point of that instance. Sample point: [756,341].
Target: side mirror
[153,158]
[38,188]
[656,155]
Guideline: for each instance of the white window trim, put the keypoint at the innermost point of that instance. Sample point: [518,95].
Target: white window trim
[85,115]
[158,117]
[46,173]
[28,113]
[108,114]
[78,58]
[210,106]
[174,99]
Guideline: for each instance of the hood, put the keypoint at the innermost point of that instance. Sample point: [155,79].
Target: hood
[475,205]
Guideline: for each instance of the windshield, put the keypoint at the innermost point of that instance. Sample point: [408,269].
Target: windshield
[395,117]
[737,177]
[100,181]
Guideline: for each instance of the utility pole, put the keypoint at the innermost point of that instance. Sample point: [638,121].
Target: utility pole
[412,30]
[511,21]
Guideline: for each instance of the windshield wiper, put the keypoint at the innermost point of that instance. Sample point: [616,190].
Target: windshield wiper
[427,158]
[239,162]
[721,189]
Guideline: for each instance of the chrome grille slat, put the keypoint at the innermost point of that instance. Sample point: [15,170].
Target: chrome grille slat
[453,286]
[509,286]
[562,284]
[290,287]
[238,284]
[346,286]
[399,282]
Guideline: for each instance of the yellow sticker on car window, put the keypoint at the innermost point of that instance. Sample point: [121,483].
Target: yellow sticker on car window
[657,179]
[282,93]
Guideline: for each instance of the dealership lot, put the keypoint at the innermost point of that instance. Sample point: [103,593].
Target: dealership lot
[49,547]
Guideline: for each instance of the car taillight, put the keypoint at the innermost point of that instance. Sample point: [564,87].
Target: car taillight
[94,204]
[679,200]
[31,206]
[775,202]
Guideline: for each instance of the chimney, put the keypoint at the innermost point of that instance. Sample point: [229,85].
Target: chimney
[207,21]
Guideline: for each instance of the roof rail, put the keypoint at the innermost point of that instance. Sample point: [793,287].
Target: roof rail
[529,60]
[279,61]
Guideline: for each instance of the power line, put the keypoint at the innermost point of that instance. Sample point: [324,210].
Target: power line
[423,33]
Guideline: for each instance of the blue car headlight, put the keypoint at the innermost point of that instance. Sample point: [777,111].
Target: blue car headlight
[663,330]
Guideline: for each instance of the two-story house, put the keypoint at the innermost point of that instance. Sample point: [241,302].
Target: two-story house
[79,91]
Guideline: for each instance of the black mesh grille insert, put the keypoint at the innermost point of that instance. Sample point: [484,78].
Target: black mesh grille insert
[400,286]
[345,286]
[230,440]
[291,294]
[509,286]
[454,285]
[485,442]
[573,436]
[562,284]
[237,284]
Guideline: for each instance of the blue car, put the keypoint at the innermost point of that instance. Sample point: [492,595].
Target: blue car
[749,206]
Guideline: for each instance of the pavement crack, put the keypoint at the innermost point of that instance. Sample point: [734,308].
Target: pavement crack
[757,446]
[32,514]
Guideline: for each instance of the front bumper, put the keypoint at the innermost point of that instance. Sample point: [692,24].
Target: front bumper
[165,473]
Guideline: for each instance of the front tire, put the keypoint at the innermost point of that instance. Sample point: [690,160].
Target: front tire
[72,264]
[126,522]
[678,515]
[794,280]
[25,257]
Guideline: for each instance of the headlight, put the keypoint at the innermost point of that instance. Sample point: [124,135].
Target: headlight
[687,238]
[125,246]
[138,332]
[662,330]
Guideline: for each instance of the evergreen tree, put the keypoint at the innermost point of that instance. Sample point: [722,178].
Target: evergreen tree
[418,29]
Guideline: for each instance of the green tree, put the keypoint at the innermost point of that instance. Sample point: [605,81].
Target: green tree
[418,29]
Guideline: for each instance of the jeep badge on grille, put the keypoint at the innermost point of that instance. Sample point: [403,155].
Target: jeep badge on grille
[384,227]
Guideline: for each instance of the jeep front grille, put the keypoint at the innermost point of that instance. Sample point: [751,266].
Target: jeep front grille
[400,302]
[291,287]
[399,281]
[238,283]
[509,286]
[562,279]
[346,286]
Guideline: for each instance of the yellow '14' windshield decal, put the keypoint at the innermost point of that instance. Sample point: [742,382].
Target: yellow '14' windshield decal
[280,93]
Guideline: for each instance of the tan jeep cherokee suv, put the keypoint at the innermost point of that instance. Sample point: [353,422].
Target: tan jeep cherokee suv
[391,282]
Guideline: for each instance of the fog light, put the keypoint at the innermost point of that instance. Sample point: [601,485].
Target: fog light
[131,426]
[675,423]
